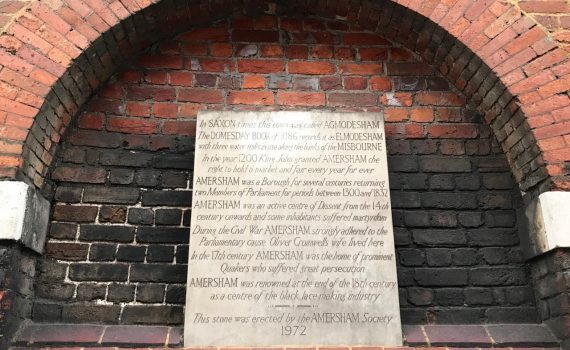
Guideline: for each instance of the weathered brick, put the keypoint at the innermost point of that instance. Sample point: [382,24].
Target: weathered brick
[163,235]
[464,256]
[420,296]
[113,214]
[446,200]
[126,158]
[141,216]
[495,201]
[379,83]
[174,179]
[75,213]
[497,276]
[67,251]
[158,273]
[406,200]
[131,253]
[441,277]
[364,39]
[106,233]
[411,257]
[153,314]
[120,293]
[68,194]
[441,238]
[90,292]
[83,174]
[360,68]
[75,313]
[404,68]
[160,61]
[160,253]
[98,272]
[503,218]
[65,231]
[205,34]
[167,198]
[453,131]
[174,161]
[200,96]
[253,82]
[492,237]
[102,252]
[371,54]
[147,92]
[330,83]
[175,294]
[447,165]
[254,36]
[439,99]
[150,293]
[119,195]
[471,219]
[261,66]
[251,97]
[301,99]
[121,176]
[305,83]
[315,68]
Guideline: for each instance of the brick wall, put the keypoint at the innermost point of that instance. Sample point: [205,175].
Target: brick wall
[117,247]
[55,54]
[17,273]
[552,288]
[554,16]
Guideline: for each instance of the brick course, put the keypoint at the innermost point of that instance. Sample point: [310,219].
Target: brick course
[552,291]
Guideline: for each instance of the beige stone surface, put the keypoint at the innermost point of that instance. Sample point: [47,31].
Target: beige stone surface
[547,217]
[291,235]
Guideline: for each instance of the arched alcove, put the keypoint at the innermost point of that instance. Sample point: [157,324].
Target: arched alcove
[494,62]
[118,242]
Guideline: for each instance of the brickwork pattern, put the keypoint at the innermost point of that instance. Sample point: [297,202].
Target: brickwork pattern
[552,289]
[56,54]
[553,15]
[17,268]
[117,249]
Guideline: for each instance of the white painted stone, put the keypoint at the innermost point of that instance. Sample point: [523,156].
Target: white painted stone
[24,215]
[264,182]
[548,217]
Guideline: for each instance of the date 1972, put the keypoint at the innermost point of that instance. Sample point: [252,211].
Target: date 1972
[293,330]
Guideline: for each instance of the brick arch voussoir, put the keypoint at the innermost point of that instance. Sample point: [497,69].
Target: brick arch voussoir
[56,54]
[508,67]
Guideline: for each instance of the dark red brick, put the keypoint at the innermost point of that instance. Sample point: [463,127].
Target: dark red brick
[75,174]
[200,96]
[364,39]
[255,36]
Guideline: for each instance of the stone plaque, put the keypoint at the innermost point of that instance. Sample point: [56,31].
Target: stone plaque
[291,236]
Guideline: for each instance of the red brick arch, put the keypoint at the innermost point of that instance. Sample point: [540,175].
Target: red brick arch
[55,54]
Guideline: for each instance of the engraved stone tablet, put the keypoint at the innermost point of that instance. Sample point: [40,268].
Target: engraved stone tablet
[291,236]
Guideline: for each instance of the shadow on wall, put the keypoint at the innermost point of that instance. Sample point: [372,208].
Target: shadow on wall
[117,247]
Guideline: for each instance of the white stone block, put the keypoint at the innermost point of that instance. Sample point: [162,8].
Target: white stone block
[24,215]
[549,222]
